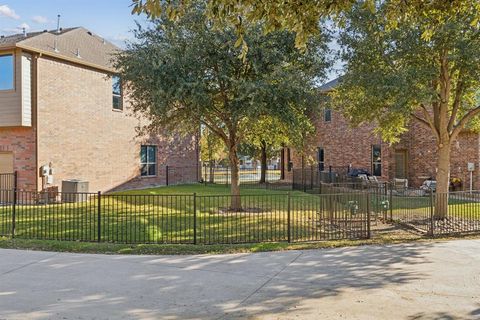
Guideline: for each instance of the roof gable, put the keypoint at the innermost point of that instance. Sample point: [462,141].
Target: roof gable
[74,44]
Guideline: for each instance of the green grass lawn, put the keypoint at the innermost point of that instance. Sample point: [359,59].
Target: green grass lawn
[166,215]
[460,207]
[204,190]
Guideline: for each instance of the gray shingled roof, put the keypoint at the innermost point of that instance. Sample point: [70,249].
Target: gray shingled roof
[77,44]
[329,85]
[16,38]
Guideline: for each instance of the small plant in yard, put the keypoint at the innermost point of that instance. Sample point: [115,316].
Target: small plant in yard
[455,183]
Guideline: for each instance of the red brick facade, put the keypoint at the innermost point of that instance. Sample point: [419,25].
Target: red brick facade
[420,147]
[21,142]
[76,130]
[346,146]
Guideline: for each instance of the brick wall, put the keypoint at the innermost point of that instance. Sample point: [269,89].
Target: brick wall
[83,138]
[344,146]
[21,142]
[420,145]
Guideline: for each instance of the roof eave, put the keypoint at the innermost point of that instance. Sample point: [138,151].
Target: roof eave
[62,57]
[7,46]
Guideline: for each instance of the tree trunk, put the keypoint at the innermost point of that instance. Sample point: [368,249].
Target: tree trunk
[443,181]
[236,203]
[263,164]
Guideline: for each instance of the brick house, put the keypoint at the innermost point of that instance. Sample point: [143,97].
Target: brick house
[414,157]
[61,106]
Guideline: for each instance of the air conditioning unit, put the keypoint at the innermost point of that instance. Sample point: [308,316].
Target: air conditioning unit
[74,190]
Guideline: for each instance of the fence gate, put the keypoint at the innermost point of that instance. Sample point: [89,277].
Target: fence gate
[7,185]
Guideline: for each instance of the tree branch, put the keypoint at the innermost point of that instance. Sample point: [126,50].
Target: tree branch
[420,119]
[428,119]
[209,124]
[461,124]
[456,105]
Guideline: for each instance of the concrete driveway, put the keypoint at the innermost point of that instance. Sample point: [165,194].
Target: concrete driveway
[409,281]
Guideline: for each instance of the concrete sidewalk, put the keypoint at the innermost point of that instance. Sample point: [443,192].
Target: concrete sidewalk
[435,280]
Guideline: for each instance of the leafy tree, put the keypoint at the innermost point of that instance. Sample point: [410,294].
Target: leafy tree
[264,140]
[212,150]
[302,17]
[187,72]
[423,68]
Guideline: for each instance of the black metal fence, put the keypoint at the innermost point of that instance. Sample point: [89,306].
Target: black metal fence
[184,219]
[438,213]
[311,178]
[332,214]
[223,175]
[249,177]
[8,182]
[419,209]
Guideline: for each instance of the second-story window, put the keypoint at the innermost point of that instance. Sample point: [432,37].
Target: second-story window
[7,75]
[327,115]
[117,93]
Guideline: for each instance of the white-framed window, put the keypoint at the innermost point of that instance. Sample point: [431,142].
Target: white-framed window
[117,93]
[148,161]
[7,72]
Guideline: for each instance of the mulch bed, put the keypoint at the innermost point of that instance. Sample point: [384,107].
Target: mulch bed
[444,226]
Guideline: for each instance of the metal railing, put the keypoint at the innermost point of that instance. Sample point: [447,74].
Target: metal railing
[8,182]
[311,178]
[184,219]
[439,213]
[331,214]
[247,176]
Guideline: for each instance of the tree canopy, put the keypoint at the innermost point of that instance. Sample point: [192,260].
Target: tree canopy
[425,68]
[302,17]
[185,73]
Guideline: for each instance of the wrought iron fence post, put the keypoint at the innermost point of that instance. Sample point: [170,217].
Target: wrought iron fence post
[304,178]
[194,218]
[432,223]
[368,216]
[289,235]
[385,191]
[311,177]
[391,201]
[14,207]
[166,176]
[99,216]
[204,174]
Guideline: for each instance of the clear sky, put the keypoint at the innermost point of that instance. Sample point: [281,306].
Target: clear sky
[111,19]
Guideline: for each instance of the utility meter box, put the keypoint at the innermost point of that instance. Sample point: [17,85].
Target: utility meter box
[471,166]
[74,190]
[44,170]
